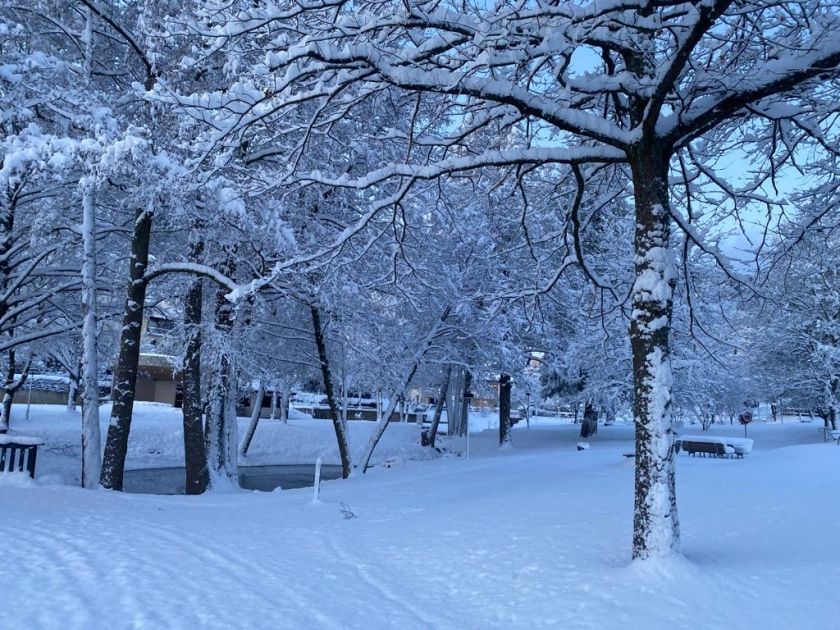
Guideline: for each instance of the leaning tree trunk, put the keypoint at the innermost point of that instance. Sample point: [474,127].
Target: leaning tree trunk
[323,359]
[91,439]
[125,376]
[195,457]
[504,410]
[444,386]
[415,364]
[589,425]
[655,521]
[256,414]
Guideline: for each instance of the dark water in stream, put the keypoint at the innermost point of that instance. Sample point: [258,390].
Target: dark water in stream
[263,478]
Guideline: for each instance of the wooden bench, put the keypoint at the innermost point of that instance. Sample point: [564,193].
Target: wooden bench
[713,449]
[17,452]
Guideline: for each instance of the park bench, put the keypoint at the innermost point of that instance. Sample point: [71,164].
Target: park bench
[18,452]
[714,446]
[713,449]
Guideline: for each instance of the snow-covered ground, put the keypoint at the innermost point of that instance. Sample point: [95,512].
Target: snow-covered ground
[534,536]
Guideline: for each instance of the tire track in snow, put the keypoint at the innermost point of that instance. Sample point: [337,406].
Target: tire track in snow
[380,587]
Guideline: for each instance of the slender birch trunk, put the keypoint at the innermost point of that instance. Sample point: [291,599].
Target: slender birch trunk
[91,440]
[125,376]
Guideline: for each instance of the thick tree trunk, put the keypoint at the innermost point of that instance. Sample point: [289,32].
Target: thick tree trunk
[91,439]
[455,401]
[655,522]
[125,376]
[220,434]
[323,359]
[504,410]
[256,414]
[589,425]
[195,457]
[444,386]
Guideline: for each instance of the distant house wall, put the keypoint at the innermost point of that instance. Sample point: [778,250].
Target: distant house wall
[165,392]
[38,397]
[145,389]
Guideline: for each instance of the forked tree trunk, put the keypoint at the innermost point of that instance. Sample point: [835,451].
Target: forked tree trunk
[323,359]
[655,520]
[444,386]
[504,410]
[589,425]
[91,439]
[195,457]
[125,376]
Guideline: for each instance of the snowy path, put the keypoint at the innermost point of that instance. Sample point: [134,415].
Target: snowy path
[520,539]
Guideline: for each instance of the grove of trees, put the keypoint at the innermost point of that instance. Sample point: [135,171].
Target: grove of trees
[371,193]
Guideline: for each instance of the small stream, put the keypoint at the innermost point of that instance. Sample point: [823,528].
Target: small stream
[263,478]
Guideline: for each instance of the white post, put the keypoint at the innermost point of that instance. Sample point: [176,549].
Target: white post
[28,399]
[468,433]
[316,488]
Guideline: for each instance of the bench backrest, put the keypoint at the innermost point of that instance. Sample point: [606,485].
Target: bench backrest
[716,448]
[14,457]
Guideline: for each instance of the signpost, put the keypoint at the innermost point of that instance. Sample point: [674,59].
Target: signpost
[745,418]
